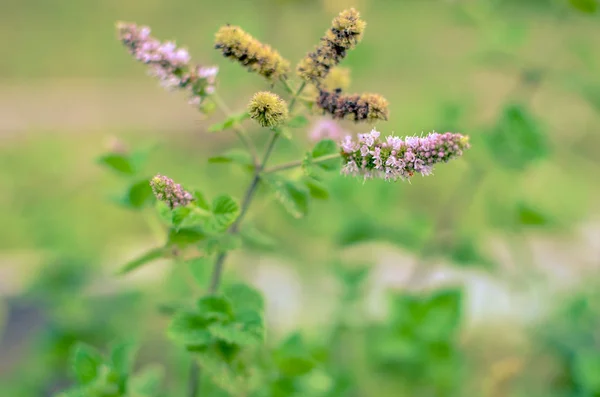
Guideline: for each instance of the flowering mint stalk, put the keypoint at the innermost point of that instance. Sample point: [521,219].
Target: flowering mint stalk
[236,44]
[345,33]
[169,192]
[396,158]
[167,62]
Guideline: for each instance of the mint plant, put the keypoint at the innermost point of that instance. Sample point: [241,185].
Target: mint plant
[224,329]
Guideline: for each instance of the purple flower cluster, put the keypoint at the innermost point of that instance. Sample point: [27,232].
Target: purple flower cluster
[166,190]
[169,63]
[395,158]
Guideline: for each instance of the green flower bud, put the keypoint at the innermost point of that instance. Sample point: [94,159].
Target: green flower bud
[268,109]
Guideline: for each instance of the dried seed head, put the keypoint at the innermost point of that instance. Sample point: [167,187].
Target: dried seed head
[268,109]
[345,33]
[338,79]
[355,107]
[169,192]
[260,58]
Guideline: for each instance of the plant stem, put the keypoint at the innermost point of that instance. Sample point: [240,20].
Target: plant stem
[220,260]
[298,163]
[238,129]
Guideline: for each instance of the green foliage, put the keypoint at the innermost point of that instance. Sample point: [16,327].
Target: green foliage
[225,211]
[236,157]
[229,122]
[293,196]
[517,139]
[110,377]
[420,341]
[138,195]
[587,6]
[119,163]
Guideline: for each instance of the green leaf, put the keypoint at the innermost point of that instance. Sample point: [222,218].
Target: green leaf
[215,307]
[316,189]
[200,269]
[122,357]
[118,163]
[530,216]
[138,195]
[164,212]
[465,252]
[200,201]
[244,299]
[220,373]
[228,123]
[587,370]
[298,121]
[326,147]
[293,196]
[234,156]
[225,211]
[185,236]
[179,214]
[190,329]
[222,243]
[86,362]
[587,6]
[147,382]
[292,358]
[149,256]
[254,238]
[284,132]
[517,140]
[249,332]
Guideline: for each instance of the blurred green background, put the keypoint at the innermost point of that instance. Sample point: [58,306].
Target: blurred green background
[510,234]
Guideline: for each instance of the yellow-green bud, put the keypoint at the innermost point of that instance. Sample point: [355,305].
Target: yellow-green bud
[260,58]
[268,109]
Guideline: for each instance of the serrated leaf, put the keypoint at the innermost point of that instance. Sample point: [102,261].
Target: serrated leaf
[587,6]
[149,256]
[298,121]
[119,163]
[138,195]
[215,307]
[292,195]
[86,362]
[292,358]
[316,189]
[185,236]
[189,328]
[244,298]
[225,211]
[234,156]
[220,373]
[179,214]
[253,237]
[238,333]
[323,148]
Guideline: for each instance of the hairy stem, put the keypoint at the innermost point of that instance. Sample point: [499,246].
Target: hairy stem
[298,163]
[239,130]
[248,196]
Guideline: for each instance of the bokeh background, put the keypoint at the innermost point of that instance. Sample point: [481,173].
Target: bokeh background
[504,243]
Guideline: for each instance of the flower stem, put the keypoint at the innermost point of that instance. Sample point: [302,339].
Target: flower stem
[239,129]
[194,379]
[298,163]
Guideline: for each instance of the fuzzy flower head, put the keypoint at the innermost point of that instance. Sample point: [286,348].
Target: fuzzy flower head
[394,158]
[268,109]
[338,79]
[345,33]
[168,62]
[169,192]
[260,58]
[355,107]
